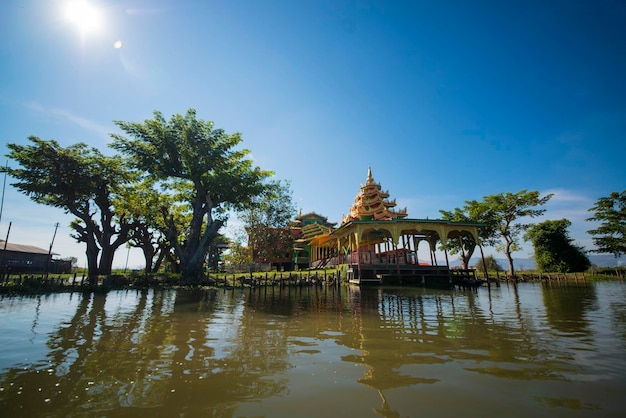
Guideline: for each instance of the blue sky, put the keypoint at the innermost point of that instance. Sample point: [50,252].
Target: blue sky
[447,101]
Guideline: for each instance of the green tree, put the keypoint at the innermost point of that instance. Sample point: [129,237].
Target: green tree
[81,181]
[266,220]
[501,212]
[464,244]
[238,253]
[201,167]
[554,249]
[610,236]
[147,228]
[490,262]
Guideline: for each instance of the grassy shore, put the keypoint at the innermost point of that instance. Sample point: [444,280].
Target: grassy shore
[77,281]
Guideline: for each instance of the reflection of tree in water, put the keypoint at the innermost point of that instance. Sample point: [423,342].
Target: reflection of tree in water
[94,362]
[618,320]
[249,357]
[205,352]
[154,354]
[401,333]
[522,346]
[567,306]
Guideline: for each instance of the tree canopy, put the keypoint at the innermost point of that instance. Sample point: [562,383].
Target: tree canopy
[491,264]
[465,244]
[81,181]
[610,236]
[202,167]
[501,211]
[554,249]
[266,221]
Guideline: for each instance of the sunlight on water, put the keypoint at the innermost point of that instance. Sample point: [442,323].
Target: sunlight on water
[530,349]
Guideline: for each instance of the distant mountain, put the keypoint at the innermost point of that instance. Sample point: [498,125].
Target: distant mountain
[598,260]
[607,260]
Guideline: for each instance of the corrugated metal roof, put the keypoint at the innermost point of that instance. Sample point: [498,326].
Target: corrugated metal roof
[20,248]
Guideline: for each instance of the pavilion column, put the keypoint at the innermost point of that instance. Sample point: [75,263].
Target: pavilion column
[397,260]
[338,252]
[433,260]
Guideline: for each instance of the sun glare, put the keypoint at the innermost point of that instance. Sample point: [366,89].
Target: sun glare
[84,15]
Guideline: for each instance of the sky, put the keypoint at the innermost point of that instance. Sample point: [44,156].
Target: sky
[446,101]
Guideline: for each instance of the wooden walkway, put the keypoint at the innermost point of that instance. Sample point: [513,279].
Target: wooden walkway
[412,274]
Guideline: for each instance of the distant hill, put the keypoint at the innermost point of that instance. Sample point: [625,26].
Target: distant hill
[598,260]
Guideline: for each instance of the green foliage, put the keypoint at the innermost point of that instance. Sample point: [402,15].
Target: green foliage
[55,176]
[491,263]
[465,244]
[81,181]
[500,213]
[554,251]
[140,203]
[204,171]
[238,254]
[610,237]
[266,221]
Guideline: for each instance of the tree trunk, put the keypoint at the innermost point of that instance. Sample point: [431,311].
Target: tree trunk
[106,260]
[507,253]
[191,272]
[92,262]
[159,260]
[148,255]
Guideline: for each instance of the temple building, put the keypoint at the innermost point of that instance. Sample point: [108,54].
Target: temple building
[379,244]
[304,228]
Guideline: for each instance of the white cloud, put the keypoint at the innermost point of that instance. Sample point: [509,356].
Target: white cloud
[563,195]
[67,116]
[84,123]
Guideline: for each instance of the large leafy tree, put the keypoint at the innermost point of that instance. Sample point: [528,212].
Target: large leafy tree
[81,181]
[464,244]
[140,203]
[266,220]
[202,168]
[502,211]
[610,236]
[554,249]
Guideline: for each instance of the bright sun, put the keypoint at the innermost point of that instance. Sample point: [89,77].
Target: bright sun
[85,16]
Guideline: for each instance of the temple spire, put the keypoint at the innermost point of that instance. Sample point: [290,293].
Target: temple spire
[371,203]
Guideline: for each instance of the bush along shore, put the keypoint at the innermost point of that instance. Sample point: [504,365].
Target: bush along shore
[43,283]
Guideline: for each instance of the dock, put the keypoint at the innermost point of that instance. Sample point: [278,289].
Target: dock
[412,274]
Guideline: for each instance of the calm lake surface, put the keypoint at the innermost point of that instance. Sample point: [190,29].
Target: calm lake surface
[534,349]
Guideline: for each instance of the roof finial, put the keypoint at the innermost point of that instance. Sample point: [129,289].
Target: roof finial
[369,172]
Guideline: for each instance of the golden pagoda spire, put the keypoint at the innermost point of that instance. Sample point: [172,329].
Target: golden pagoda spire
[371,203]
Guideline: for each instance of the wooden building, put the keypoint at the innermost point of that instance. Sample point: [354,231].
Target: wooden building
[20,258]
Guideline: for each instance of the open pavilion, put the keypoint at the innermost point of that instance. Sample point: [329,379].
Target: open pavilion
[379,244]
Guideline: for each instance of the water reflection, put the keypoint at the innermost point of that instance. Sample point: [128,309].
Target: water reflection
[269,352]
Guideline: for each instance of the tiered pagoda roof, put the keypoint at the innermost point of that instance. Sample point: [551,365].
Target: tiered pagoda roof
[306,227]
[371,203]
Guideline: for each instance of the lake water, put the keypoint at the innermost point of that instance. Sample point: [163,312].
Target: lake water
[534,349]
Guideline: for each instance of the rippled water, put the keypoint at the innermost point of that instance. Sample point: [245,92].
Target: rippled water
[525,350]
